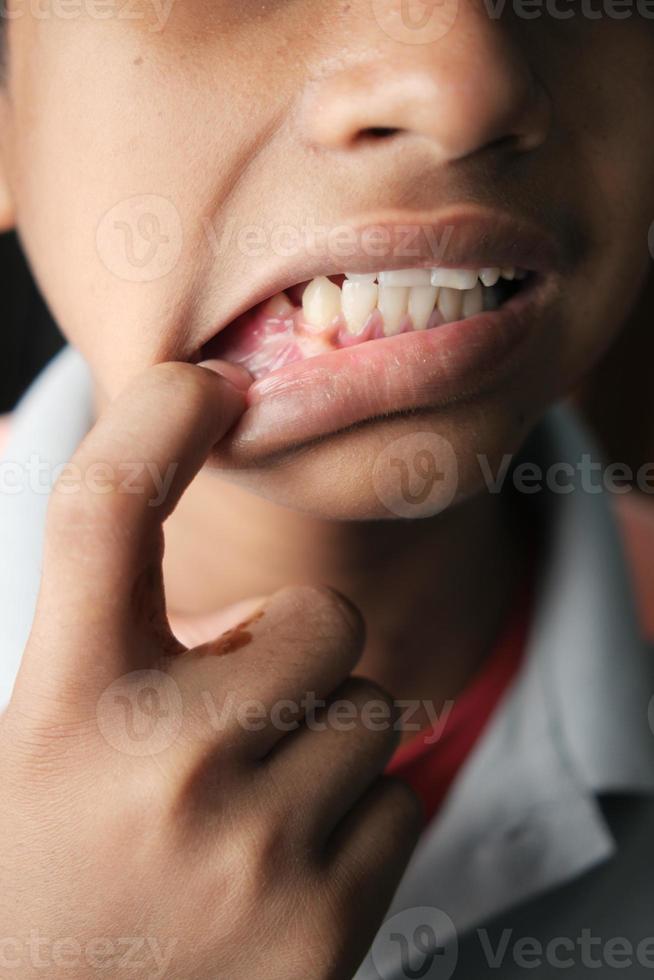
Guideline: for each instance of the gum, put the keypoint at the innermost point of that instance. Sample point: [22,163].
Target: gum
[263,344]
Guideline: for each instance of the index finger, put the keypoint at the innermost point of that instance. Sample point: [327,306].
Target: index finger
[103,548]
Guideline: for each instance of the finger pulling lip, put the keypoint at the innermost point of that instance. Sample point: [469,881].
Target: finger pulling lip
[312,399]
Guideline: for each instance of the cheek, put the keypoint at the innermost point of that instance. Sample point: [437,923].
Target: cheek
[91,176]
[116,158]
[611,283]
[623,162]
[600,161]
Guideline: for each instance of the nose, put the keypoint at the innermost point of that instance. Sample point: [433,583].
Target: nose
[471,89]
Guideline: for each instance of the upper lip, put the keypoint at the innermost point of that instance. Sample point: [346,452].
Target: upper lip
[459,238]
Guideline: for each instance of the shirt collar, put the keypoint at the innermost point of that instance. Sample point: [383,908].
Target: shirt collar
[587,651]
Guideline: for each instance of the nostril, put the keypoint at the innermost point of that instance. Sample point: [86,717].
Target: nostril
[509,142]
[378,132]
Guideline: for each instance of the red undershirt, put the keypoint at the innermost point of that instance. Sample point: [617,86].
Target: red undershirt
[429,766]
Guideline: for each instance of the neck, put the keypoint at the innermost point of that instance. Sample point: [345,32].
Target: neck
[433,592]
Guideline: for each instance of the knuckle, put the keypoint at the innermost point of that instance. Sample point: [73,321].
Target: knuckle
[283,844]
[362,691]
[403,804]
[262,857]
[374,709]
[277,851]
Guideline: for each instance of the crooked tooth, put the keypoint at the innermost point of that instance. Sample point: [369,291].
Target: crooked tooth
[473,301]
[321,302]
[393,303]
[405,277]
[450,302]
[489,277]
[454,278]
[361,276]
[508,272]
[422,300]
[278,306]
[359,299]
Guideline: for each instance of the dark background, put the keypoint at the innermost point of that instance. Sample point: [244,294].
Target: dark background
[28,335]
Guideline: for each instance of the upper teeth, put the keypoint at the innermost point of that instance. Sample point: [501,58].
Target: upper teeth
[399,293]
[489,276]
[405,277]
[359,299]
[454,278]
[321,302]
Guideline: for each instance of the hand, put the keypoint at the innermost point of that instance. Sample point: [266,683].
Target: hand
[152,823]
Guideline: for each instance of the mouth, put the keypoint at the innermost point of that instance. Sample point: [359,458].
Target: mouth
[330,349]
[332,313]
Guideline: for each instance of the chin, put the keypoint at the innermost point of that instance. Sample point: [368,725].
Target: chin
[411,466]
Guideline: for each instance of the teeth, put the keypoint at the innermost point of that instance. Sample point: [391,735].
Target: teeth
[454,278]
[321,302]
[450,302]
[361,276]
[279,306]
[489,277]
[405,277]
[422,300]
[359,300]
[393,304]
[457,293]
[473,301]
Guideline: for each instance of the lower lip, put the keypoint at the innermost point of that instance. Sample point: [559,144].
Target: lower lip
[318,397]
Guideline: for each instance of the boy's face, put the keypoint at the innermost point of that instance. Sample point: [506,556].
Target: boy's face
[172,167]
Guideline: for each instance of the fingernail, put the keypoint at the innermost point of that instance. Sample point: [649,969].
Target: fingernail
[234,373]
